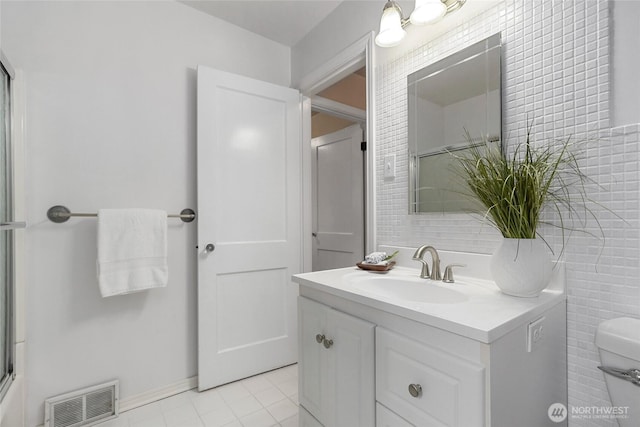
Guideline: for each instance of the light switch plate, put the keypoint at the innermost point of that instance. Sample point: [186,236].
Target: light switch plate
[390,166]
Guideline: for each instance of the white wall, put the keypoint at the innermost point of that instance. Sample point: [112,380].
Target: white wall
[349,22]
[430,126]
[445,126]
[474,116]
[111,114]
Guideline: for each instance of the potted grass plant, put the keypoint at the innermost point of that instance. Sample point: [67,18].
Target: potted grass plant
[512,191]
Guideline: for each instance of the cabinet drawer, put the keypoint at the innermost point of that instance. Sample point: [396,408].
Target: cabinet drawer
[449,390]
[386,418]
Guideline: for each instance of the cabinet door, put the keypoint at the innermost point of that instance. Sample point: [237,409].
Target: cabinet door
[336,365]
[352,371]
[312,319]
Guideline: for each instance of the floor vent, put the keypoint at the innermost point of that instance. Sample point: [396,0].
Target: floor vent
[84,407]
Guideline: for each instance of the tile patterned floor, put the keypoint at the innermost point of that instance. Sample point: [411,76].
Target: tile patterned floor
[266,400]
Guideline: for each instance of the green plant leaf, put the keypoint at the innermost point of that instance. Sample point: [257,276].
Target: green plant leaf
[512,191]
[391,256]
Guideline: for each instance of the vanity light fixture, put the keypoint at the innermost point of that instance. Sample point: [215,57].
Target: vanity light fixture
[392,23]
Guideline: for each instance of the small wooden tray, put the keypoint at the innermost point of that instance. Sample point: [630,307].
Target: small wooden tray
[374,267]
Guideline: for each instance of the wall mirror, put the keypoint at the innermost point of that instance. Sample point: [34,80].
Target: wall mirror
[452,103]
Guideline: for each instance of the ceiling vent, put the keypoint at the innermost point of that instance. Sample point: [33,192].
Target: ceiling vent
[84,407]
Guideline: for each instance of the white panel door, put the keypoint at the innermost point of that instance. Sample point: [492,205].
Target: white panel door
[249,209]
[338,199]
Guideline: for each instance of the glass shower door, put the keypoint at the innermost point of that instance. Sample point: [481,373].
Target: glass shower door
[7,225]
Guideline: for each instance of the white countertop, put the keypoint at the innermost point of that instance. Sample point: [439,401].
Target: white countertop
[485,315]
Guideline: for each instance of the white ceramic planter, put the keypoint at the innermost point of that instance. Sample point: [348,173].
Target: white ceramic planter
[521,267]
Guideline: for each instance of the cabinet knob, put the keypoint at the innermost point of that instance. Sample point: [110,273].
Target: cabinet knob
[328,343]
[209,248]
[319,338]
[415,390]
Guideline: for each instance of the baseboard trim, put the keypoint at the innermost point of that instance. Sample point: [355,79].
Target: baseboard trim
[158,393]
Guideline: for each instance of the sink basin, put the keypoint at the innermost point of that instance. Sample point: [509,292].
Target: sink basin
[408,289]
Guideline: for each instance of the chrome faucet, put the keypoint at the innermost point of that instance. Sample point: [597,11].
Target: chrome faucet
[435,262]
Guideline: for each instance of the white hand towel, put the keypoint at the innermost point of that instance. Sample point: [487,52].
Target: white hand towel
[375,258]
[132,250]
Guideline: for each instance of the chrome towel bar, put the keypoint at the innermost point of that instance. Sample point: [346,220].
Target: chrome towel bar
[60,214]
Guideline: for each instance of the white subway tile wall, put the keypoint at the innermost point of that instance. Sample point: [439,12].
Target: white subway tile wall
[555,72]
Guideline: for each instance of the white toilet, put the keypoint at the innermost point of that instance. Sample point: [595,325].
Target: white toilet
[619,344]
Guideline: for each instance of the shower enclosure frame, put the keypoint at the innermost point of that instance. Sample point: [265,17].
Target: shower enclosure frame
[7,227]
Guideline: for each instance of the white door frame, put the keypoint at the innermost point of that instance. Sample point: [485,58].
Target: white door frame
[338,109]
[345,62]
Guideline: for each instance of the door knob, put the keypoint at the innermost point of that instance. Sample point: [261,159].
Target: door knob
[210,248]
[415,390]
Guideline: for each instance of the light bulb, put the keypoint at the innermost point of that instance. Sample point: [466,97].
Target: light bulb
[391,32]
[427,12]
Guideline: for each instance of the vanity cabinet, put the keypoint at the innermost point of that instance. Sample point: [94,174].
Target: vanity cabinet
[383,369]
[336,366]
[427,385]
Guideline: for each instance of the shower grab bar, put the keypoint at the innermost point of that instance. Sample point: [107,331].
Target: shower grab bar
[59,214]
